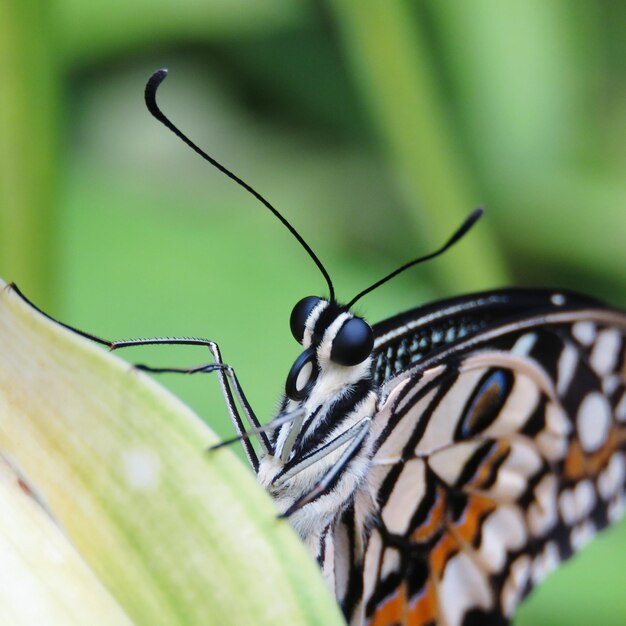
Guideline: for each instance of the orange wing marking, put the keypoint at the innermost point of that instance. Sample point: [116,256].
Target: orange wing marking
[396,610]
[392,610]
[478,508]
[434,520]
[424,608]
[485,472]
[578,465]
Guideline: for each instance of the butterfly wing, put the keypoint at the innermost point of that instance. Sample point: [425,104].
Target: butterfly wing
[498,455]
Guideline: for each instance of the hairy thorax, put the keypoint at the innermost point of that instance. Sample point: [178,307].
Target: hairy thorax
[313,517]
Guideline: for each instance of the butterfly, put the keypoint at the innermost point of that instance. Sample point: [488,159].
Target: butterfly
[438,464]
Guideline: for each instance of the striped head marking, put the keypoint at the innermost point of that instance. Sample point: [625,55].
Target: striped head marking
[332,338]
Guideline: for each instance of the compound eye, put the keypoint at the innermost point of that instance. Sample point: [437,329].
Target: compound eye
[302,375]
[353,343]
[300,314]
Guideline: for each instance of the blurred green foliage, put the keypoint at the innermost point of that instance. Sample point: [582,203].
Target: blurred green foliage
[374,126]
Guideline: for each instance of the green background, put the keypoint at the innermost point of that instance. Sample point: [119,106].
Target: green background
[374,126]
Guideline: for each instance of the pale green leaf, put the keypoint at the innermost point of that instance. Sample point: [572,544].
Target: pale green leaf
[43,580]
[177,535]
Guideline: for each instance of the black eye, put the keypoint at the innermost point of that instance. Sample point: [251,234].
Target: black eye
[353,343]
[299,316]
[302,375]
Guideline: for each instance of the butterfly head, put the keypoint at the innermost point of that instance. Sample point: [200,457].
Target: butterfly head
[332,338]
[335,341]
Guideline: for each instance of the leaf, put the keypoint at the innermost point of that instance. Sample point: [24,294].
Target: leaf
[177,535]
[43,579]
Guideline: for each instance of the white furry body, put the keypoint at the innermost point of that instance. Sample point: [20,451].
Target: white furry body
[334,384]
[311,519]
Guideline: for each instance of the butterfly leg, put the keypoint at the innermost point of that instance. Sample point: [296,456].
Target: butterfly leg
[297,465]
[257,429]
[279,420]
[225,373]
[226,376]
[356,435]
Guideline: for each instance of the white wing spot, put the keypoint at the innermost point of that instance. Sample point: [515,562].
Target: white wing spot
[577,503]
[406,496]
[463,588]
[581,535]
[611,480]
[391,562]
[524,344]
[448,463]
[611,383]
[604,354]
[584,332]
[512,478]
[553,447]
[556,420]
[566,368]
[515,584]
[567,506]
[553,440]
[141,469]
[542,515]
[545,562]
[593,419]
[558,299]
[503,531]
[616,508]
[585,498]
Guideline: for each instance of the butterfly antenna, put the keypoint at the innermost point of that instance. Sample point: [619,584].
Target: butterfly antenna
[150,96]
[460,232]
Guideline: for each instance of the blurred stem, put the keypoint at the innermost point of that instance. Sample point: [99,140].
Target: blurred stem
[548,204]
[391,64]
[523,131]
[518,70]
[28,145]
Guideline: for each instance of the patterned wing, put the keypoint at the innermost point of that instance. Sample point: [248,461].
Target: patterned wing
[495,460]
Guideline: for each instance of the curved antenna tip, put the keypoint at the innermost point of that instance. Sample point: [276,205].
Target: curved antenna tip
[159,74]
[473,217]
[150,98]
[477,214]
[151,88]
